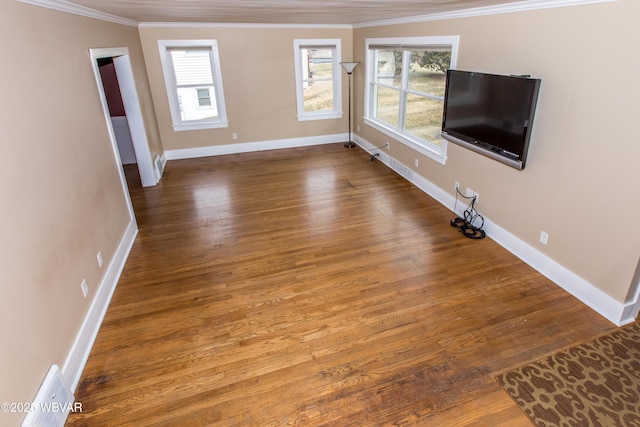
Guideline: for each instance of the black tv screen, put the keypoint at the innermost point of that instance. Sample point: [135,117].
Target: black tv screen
[490,114]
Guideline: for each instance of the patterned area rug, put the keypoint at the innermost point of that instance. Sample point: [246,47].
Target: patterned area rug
[593,384]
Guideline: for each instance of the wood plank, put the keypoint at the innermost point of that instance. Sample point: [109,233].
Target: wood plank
[313,287]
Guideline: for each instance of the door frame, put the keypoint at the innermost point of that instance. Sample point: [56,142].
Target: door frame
[133,112]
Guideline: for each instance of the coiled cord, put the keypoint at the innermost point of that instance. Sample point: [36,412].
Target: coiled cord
[471,217]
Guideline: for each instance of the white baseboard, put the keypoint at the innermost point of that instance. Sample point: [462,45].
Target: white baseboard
[614,311]
[246,147]
[79,353]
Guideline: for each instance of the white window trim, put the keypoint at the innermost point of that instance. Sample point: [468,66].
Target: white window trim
[337,79]
[435,152]
[172,93]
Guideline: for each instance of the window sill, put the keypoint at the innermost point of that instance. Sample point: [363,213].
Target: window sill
[319,116]
[435,153]
[178,127]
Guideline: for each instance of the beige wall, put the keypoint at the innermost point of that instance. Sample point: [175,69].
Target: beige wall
[62,198]
[580,181]
[258,79]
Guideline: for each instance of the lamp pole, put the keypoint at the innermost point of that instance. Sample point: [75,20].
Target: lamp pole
[348,67]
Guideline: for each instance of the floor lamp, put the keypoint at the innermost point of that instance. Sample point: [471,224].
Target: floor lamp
[348,67]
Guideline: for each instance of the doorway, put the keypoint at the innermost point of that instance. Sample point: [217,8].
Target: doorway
[120,60]
[117,112]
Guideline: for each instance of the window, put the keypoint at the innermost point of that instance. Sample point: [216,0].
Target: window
[194,83]
[204,97]
[406,79]
[318,79]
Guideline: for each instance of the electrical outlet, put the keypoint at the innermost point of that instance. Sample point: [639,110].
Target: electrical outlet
[234,135]
[470,193]
[84,287]
[388,146]
[100,259]
[416,163]
[544,237]
[457,185]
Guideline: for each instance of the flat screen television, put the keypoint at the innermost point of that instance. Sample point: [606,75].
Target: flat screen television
[490,114]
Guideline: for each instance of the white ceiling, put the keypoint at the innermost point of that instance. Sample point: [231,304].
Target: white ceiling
[305,12]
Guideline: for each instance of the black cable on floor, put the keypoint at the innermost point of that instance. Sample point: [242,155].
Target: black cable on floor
[372,154]
[470,217]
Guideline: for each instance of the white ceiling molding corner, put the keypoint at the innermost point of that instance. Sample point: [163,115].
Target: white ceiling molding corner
[68,7]
[520,6]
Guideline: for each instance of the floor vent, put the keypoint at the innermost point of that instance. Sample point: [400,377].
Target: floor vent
[404,171]
[159,165]
[52,404]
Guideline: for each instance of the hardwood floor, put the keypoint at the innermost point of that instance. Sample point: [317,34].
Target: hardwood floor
[314,287]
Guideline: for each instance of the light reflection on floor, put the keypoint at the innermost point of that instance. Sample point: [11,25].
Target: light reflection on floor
[320,194]
[214,209]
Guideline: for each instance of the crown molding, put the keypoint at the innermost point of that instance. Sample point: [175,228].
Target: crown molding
[520,6]
[236,25]
[68,7]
